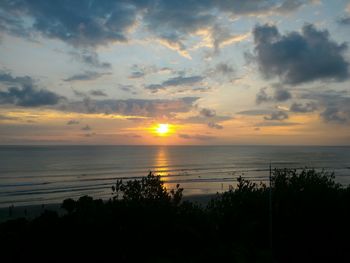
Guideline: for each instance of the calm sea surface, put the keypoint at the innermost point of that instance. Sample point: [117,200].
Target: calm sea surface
[49,174]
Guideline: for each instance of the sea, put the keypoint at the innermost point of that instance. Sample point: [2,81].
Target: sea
[34,175]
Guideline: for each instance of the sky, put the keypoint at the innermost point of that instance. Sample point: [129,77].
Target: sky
[164,72]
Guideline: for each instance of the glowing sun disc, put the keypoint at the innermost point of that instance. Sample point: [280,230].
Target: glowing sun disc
[162,129]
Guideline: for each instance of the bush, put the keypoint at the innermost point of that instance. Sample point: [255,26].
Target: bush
[144,222]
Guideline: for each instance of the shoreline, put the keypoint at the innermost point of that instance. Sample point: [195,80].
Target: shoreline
[33,211]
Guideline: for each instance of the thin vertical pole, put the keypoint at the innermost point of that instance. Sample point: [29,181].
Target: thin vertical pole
[270,206]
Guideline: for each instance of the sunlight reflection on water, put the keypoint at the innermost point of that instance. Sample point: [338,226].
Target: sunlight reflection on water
[161,164]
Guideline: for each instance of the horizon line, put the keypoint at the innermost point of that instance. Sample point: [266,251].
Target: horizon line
[180,145]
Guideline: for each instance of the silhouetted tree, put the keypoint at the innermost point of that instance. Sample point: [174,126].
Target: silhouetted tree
[149,188]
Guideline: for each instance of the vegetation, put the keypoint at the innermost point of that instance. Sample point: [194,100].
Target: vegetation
[306,221]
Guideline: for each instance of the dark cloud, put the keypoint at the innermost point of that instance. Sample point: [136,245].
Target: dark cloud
[214,125]
[22,91]
[259,6]
[224,69]
[97,93]
[95,23]
[90,58]
[181,80]
[345,20]
[80,23]
[280,95]
[221,70]
[262,96]
[299,57]
[73,122]
[140,71]
[303,108]
[335,114]
[175,82]
[201,89]
[199,137]
[127,88]
[208,113]
[27,96]
[86,76]
[8,79]
[172,21]
[334,105]
[277,116]
[137,74]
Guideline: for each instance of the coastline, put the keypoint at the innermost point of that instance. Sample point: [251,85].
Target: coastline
[33,211]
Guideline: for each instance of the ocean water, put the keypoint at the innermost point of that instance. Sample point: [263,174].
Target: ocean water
[49,174]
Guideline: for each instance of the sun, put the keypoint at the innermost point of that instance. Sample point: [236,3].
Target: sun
[162,129]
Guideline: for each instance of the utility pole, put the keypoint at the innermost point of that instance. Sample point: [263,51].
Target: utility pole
[270,208]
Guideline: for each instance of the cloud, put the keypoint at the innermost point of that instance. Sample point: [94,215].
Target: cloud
[140,71]
[336,114]
[300,108]
[345,20]
[90,58]
[214,125]
[199,137]
[224,69]
[221,70]
[8,79]
[22,91]
[208,113]
[334,105]
[96,23]
[280,95]
[128,88]
[137,74]
[133,107]
[299,57]
[83,23]
[255,112]
[98,93]
[175,82]
[73,122]
[86,76]
[262,96]
[27,96]
[277,116]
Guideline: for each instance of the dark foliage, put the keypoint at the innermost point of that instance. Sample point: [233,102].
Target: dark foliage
[143,222]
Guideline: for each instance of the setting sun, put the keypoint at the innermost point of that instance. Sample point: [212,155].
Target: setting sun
[162,129]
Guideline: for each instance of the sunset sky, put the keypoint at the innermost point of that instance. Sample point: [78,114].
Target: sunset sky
[211,71]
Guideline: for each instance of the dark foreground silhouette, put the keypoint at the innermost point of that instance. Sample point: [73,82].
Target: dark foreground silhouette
[307,219]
